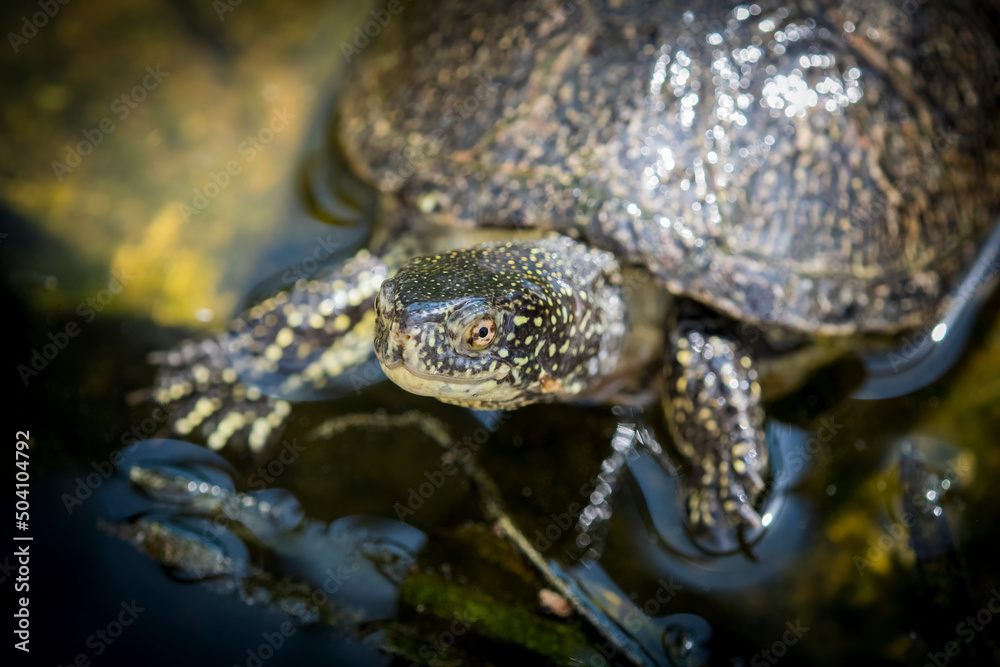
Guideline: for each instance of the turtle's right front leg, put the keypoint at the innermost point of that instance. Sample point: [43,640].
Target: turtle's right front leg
[311,341]
[712,404]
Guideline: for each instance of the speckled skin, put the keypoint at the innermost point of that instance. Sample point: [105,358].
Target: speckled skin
[554,312]
[824,168]
[712,401]
[302,343]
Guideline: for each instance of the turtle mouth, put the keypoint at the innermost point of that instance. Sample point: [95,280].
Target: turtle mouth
[403,367]
[399,353]
[392,369]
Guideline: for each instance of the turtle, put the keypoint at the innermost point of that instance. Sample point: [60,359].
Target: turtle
[584,200]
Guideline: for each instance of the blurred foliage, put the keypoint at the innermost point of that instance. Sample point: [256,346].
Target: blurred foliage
[120,206]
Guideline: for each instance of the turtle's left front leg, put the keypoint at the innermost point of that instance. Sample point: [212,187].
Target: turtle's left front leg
[712,404]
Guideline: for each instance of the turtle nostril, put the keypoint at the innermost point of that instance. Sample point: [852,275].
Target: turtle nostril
[401,337]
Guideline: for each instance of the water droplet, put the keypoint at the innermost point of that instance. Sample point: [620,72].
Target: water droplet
[685,639]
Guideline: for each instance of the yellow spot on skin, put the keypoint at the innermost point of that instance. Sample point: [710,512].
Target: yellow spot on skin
[284,338]
[552,349]
[503,353]
[538,321]
[519,320]
[341,323]
[565,346]
[217,440]
[510,336]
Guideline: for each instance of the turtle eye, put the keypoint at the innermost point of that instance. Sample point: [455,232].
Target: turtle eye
[482,333]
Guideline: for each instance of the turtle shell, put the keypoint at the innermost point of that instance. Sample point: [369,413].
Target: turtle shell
[828,167]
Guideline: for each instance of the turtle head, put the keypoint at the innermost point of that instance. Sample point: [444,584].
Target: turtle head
[495,326]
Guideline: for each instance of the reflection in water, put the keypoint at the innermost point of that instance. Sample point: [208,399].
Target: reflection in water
[670,640]
[181,508]
[928,503]
[745,559]
[927,353]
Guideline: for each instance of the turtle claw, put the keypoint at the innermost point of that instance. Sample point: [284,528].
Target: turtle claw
[708,510]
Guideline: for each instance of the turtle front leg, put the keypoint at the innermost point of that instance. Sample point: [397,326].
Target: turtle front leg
[310,341]
[712,404]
